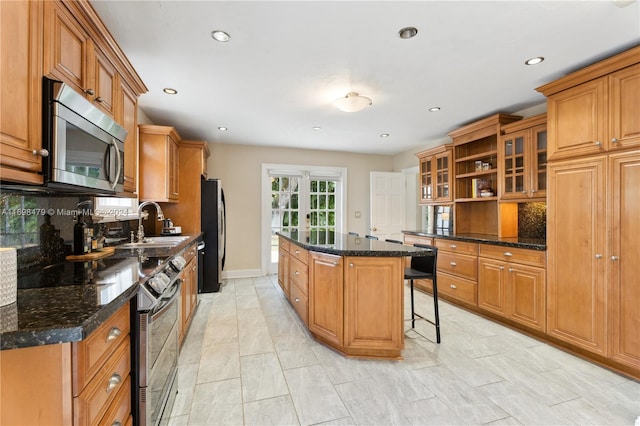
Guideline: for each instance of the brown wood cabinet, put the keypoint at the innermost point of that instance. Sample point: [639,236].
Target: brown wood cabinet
[299,281]
[159,159]
[511,283]
[283,265]
[326,304]
[21,48]
[192,160]
[188,291]
[79,383]
[522,156]
[126,112]
[596,109]
[435,174]
[458,271]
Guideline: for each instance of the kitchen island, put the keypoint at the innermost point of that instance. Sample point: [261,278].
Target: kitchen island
[348,290]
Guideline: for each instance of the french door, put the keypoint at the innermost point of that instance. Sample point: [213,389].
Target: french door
[302,199]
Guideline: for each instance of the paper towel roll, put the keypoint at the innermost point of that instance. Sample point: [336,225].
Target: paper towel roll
[8,275]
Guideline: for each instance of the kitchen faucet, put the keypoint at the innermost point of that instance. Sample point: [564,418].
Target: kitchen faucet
[140,227]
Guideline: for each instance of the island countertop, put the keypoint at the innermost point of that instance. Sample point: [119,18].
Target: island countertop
[351,245]
[516,242]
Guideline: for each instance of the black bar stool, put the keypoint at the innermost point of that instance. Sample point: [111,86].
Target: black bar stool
[424,267]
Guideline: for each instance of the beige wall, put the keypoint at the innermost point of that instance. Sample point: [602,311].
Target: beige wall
[240,168]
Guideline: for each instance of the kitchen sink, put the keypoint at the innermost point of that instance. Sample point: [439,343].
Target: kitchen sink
[151,242]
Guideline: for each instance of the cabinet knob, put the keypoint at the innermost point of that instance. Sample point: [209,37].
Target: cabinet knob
[501,268]
[116,423]
[614,257]
[99,100]
[297,300]
[453,246]
[41,152]
[90,92]
[453,286]
[351,265]
[510,269]
[297,273]
[598,256]
[524,192]
[114,333]
[614,140]
[114,381]
[534,190]
[507,253]
[598,143]
[452,263]
[297,252]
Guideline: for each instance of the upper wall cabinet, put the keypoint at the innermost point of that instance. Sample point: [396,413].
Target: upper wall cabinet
[522,155]
[159,160]
[435,174]
[596,109]
[21,91]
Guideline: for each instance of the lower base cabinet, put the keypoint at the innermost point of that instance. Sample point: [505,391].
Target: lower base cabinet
[326,298]
[189,292]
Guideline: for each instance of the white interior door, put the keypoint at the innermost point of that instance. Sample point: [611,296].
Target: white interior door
[387,205]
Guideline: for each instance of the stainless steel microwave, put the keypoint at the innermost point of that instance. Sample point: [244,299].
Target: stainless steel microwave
[86,146]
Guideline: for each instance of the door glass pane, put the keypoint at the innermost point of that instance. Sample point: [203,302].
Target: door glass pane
[284,208]
[519,145]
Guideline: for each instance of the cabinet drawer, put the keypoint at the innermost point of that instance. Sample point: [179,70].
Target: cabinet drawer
[92,403]
[300,302]
[458,288]
[298,252]
[512,254]
[415,239]
[190,252]
[458,264]
[90,354]
[283,244]
[299,273]
[453,246]
[120,409]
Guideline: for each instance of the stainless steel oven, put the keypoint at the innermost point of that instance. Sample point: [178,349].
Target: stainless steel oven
[158,310]
[85,146]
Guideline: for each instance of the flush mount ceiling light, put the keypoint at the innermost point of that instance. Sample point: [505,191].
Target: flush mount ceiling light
[434,109]
[408,32]
[534,61]
[170,91]
[220,35]
[352,102]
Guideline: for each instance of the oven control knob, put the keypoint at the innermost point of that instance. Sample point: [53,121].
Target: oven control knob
[159,282]
[178,263]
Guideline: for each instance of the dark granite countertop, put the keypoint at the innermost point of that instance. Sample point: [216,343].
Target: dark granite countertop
[525,243]
[70,313]
[350,245]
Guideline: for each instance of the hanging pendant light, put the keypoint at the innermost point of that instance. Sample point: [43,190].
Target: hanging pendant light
[352,102]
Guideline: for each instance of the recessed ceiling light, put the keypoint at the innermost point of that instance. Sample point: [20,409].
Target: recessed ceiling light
[222,128]
[170,91]
[316,128]
[384,135]
[220,35]
[434,109]
[408,32]
[534,61]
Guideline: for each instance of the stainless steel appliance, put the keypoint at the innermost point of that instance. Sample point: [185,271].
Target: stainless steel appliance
[85,146]
[157,346]
[213,225]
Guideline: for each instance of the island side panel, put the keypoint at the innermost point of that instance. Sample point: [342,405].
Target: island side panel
[373,306]
[326,292]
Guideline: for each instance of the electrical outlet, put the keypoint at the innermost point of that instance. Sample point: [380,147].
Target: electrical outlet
[358,215]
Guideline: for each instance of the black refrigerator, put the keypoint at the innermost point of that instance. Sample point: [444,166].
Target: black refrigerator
[212,255]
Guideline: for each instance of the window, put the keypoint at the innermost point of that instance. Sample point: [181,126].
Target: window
[303,198]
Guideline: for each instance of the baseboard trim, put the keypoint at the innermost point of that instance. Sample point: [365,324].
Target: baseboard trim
[242,273]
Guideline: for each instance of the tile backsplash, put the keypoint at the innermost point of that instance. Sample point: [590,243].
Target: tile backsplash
[532,220]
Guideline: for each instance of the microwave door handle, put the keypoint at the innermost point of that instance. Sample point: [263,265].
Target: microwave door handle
[107,163]
[118,162]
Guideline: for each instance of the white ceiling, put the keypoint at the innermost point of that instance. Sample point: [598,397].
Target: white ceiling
[288,60]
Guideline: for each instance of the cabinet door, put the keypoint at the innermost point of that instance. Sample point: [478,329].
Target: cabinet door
[283,270]
[105,82]
[21,91]
[576,249]
[326,297]
[426,180]
[492,287]
[538,162]
[624,124]
[577,120]
[127,116]
[373,298]
[173,170]
[443,176]
[514,174]
[526,295]
[67,50]
[624,267]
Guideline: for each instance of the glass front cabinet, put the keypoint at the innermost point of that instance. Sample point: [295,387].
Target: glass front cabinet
[435,174]
[522,154]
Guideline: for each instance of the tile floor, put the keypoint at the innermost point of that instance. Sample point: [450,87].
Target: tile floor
[247,360]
